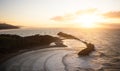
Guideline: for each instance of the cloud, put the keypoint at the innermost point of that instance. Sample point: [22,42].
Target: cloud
[58,18]
[88,11]
[63,18]
[115,14]
[72,16]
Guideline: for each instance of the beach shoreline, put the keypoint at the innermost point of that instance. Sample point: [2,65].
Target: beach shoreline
[6,57]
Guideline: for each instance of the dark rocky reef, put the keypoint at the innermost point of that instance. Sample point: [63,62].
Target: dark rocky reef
[66,36]
[13,43]
[7,26]
[85,52]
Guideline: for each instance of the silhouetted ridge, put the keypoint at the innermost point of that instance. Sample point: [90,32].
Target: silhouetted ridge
[7,26]
[11,43]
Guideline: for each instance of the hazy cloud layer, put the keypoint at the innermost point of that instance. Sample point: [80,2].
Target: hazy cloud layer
[115,14]
[88,11]
[72,16]
[63,18]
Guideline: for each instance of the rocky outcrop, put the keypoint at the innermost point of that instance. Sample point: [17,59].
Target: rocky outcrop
[13,43]
[66,36]
[85,52]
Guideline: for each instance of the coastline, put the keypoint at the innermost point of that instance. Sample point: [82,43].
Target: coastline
[12,45]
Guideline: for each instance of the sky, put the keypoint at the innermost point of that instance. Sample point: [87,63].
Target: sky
[59,13]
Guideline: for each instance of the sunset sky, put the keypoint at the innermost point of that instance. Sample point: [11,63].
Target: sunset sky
[60,13]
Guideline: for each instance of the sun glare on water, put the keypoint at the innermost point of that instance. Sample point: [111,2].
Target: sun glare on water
[88,20]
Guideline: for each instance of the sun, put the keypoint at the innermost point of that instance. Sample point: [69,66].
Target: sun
[88,20]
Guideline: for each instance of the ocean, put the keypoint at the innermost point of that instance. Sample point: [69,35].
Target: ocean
[106,41]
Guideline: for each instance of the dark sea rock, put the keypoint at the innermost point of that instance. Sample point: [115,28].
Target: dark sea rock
[67,36]
[85,52]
